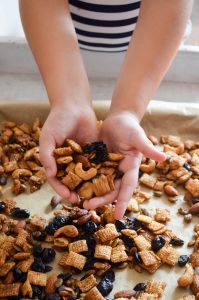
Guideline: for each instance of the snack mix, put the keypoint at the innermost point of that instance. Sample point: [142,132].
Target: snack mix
[90,246]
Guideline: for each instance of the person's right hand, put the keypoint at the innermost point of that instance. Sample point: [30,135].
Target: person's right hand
[75,122]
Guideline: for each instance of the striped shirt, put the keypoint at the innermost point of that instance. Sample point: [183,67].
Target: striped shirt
[103,25]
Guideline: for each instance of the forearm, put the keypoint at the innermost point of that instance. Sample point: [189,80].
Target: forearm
[52,38]
[152,48]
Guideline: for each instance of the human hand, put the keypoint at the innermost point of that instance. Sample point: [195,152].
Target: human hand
[75,122]
[122,133]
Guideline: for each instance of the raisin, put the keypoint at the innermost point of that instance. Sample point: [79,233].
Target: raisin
[89,227]
[135,224]
[19,297]
[100,149]
[54,296]
[110,274]
[19,275]
[59,222]
[65,276]
[127,241]
[48,268]
[20,213]
[137,257]
[91,242]
[71,297]
[176,242]
[48,255]
[89,253]
[3,180]
[51,228]
[77,292]
[38,266]
[195,200]
[182,260]
[39,235]
[37,250]
[105,286]
[140,287]
[2,206]
[37,291]
[12,140]
[187,166]
[157,243]
[121,224]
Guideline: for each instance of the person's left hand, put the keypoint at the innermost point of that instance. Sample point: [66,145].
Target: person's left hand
[123,134]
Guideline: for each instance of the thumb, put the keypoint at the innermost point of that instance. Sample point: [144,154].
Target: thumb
[46,147]
[144,145]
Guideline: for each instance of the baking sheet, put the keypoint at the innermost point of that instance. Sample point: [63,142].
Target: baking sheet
[161,118]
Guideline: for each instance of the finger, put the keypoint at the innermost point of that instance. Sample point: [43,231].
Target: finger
[73,198]
[128,184]
[46,148]
[100,201]
[144,145]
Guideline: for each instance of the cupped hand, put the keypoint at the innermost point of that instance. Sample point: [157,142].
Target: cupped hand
[122,133]
[78,123]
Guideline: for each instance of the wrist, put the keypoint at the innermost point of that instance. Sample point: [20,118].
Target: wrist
[115,112]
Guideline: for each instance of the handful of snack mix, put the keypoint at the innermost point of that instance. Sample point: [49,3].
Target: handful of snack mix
[89,170]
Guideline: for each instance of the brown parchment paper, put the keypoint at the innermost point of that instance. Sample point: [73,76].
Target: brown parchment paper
[161,118]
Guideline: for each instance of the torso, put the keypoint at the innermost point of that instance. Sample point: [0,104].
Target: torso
[101,26]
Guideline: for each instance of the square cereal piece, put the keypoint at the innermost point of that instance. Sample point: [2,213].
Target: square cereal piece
[176,162]
[152,268]
[3,255]
[37,278]
[155,287]
[155,226]
[71,180]
[193,187]
[7,290]
[144,219]
[162,215]
[172,140]
[103,252]
[63,259]
[159,185]
[75,260]
[168,255]
[25,265]
[6,268]
[78,246]
[129,232]
[87,284]
[148,180]
[141,197]
[194,259]
[133,205]
[118,254]
[94,294]
[149,257]
[107,234]
[8,244]
[147,296]
[142,243]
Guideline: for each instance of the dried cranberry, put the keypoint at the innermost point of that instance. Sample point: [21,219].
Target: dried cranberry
[187,166]
[37,250]
[3,180]
[38,266]
[2,206]
[195,200]
[20,213]
[89,227]
[176,242]
[110,274]
[140,287]
[105,286]
[51,228]
[39,235]
[134,224]
[127,241]
[48,255]
[157,243]
[19,275]
[37,291]
[182,260]
[65,276]
[121,224]
[137,257]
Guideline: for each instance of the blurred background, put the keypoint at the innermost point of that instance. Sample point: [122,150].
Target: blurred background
[20,80]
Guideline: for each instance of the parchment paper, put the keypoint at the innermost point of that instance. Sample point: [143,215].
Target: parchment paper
[161,118]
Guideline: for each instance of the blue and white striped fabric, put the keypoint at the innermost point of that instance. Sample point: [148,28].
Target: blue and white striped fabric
[103,25]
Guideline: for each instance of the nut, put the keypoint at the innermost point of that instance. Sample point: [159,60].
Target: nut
[188,218]
[195,284]
[85,175]
[170,190]
[194,210]
[125,294]
[187,278]
[148,167]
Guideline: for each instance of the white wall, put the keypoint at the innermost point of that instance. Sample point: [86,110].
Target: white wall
[10,24]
